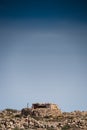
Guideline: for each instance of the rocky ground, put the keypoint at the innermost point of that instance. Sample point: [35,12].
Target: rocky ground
[42,119]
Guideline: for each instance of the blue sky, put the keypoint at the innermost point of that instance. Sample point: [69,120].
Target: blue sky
[43,53]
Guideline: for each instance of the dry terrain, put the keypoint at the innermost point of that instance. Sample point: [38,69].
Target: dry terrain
[42,119]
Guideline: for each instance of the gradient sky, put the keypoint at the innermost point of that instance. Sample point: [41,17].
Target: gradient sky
[43,53]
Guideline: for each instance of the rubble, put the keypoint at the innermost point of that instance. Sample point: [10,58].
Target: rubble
[42,119]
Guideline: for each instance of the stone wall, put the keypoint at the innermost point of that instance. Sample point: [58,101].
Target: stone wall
[53,106]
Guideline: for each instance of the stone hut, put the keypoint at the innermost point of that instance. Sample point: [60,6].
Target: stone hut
[44,105]
[42,110]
